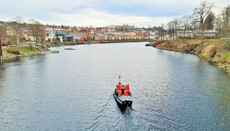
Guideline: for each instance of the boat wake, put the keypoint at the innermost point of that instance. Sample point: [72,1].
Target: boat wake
[101,114]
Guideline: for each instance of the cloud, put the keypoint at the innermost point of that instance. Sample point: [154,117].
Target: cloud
[101,12]
[99,18]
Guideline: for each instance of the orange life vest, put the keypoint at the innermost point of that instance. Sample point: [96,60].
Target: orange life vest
[126,92]
[119,92]
[117,87]
[127,87]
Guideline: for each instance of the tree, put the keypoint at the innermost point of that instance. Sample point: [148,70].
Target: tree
[16,25]
[219,23]
[37,30]
[173,28]
[226,15]
[185,24]
[3,27]
[88,35]
[225,34]
[201,12]
[209,21]
[224,30]
[161,31]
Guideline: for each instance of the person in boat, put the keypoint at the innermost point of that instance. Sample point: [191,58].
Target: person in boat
[120,84]
[122,89]
[119,93]
[127,87]
[126,92]
[119,89]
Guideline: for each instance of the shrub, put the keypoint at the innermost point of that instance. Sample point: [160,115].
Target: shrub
[16,52]
[6,44]
[157,43]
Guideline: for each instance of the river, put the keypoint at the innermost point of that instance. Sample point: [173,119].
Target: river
[72,90]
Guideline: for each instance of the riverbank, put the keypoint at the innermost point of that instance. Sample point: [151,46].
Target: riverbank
[23,50]
[118,41]
[215,51]
[41,49]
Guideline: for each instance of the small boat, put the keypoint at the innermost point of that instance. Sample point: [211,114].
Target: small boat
[123,100]
[123,95]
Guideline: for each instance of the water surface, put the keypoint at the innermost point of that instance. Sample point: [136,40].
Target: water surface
[73,90]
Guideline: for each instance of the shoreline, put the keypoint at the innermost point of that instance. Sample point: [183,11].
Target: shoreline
[44,48]
[7,57]
[10,56]
[213,51]
[118,41]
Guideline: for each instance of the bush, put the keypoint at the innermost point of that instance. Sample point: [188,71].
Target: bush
[16,52]
[157,43]
[6,44]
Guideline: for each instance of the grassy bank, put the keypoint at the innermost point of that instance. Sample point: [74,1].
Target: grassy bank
[12,52]
[20,49]
[215,51]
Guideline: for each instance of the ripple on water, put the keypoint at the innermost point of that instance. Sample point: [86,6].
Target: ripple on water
[73,90]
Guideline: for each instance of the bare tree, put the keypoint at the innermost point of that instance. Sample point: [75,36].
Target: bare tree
[17,26]
[177,23]
[219,23]
[3,27]
[173,28]
[209,21]
[226,15]
[88,36]
[225,34]
[185,24]
[224,29]
[161,31]
[201,12]
[37,30]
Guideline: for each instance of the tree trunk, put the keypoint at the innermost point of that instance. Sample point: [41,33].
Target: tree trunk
[202,31]
[17,38]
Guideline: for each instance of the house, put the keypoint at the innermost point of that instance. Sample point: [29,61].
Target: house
[10,31]
[187,33]
[54,33]
[32,38]
[197,33]
[207,33]
[76,37]
[25,36]
[50,35]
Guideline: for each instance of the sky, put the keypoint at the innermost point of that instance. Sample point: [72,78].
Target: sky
[101,12]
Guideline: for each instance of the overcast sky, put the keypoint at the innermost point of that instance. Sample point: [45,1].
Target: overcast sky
[101,12]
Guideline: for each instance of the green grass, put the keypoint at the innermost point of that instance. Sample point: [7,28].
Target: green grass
[4,51]
[213,40]
[208,41]
[227,55]
[27,49]
[21,50]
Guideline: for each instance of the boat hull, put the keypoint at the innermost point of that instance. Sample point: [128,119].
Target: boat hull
[123,100]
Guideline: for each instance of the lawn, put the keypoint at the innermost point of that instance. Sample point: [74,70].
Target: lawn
[21,50]
[227,55]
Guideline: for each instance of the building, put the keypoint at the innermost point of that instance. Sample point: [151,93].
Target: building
[54,33]
[75,37]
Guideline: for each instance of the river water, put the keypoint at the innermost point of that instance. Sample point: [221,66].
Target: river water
[72,90]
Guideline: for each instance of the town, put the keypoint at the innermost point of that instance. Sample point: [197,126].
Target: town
[16,32]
